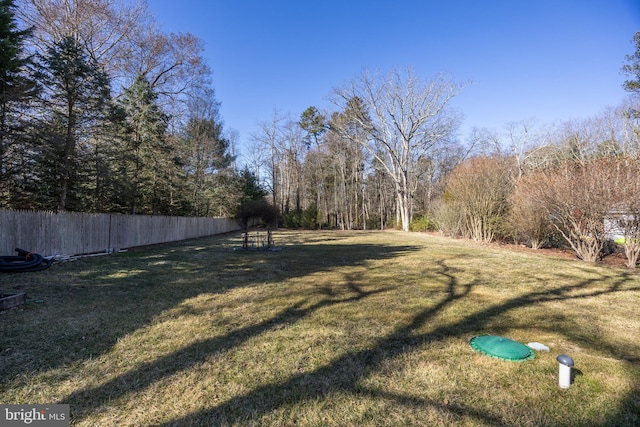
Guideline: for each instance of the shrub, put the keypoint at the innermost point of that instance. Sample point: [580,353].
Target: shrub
[448,218]
[307,218]
[576,197]
[475,200]
[292,219]
[423,223]
[528,222]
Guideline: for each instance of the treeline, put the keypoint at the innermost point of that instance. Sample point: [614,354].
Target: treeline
[376,162]
[389,156]
[101,111]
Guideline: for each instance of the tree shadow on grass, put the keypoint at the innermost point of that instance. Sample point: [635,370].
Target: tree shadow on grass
[90,304]
[344,374]
[146,374]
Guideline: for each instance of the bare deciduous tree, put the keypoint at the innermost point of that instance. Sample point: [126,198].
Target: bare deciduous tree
[624,122]
[104,28]
[122,36]
[267,142]
[477,192]
[173,62]
[282,141]
[526,140]
[406,118]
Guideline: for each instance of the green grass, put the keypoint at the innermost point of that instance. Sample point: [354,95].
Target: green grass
[336,329]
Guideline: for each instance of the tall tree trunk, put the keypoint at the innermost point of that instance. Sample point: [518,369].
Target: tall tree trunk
[69,148]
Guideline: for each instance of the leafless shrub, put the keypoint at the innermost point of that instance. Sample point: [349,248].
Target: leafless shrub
[625,212]
[476,196]
[577,197]
[528,220]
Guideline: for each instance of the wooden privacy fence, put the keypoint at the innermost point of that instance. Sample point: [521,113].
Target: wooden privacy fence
[72,233]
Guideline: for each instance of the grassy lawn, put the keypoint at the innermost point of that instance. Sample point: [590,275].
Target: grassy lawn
[336,329]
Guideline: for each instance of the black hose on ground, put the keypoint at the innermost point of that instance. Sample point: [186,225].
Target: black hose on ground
[24,261]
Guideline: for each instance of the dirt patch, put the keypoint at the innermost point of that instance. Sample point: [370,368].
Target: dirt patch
[615,260]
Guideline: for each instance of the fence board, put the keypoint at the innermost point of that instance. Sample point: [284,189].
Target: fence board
[73,233]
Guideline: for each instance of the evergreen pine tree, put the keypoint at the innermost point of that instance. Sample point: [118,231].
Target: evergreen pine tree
[16,91]
[75,106]
[150,158]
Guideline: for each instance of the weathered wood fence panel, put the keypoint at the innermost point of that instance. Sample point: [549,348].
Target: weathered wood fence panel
[72,233]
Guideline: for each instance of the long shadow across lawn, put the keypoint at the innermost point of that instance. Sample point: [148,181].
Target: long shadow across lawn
[304,386]
[324,380]
[80,320]
[145,375]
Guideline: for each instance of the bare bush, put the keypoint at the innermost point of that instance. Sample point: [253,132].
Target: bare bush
[625,212]
[577,197]
[448,218]
[528,220]
[476,196]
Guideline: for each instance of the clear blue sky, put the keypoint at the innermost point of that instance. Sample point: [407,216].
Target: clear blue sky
[552,60]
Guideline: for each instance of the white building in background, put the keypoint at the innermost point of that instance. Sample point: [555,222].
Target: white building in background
[614,224]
